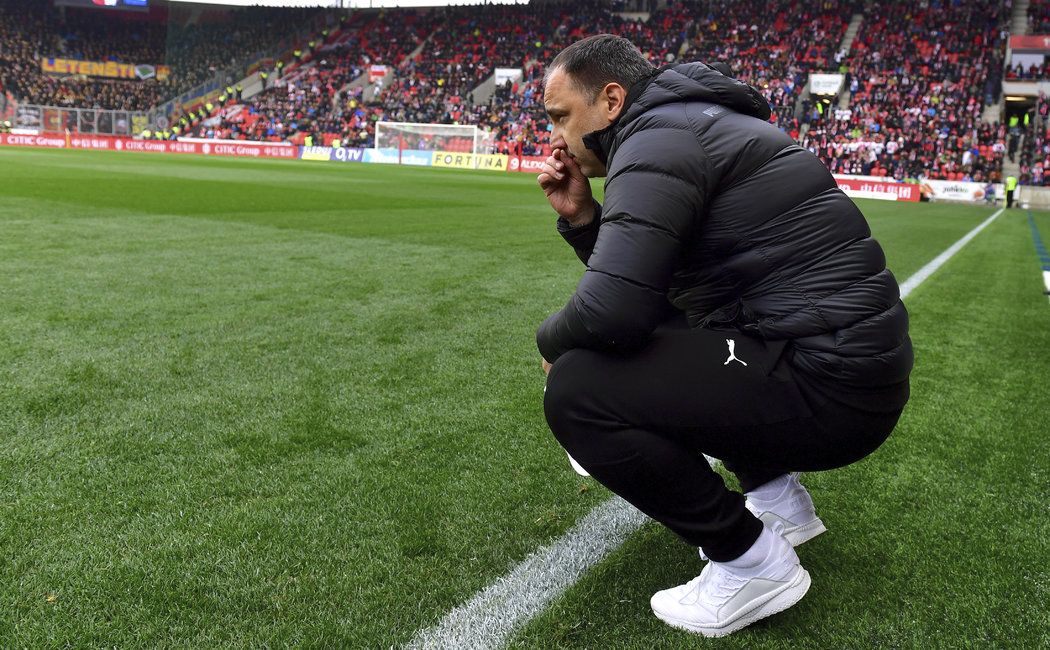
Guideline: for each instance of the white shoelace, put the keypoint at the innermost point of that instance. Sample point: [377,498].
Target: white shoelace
[715,584]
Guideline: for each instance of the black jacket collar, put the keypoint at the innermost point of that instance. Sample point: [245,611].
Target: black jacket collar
[674,83]
[601,142]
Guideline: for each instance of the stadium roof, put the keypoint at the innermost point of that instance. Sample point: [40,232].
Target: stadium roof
[353,4]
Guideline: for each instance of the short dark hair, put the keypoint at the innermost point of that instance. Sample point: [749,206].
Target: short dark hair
[596,61]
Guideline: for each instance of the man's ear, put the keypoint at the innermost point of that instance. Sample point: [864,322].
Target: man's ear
[613,98]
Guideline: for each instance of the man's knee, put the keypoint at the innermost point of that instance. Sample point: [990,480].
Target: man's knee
[565,395]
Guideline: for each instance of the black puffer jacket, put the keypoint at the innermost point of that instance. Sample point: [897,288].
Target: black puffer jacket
[712,210]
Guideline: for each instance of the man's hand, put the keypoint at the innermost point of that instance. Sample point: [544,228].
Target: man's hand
[546,366]
[567,189]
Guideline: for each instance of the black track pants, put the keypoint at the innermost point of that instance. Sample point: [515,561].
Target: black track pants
[640,423]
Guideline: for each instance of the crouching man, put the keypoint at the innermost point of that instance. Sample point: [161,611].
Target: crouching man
[734,304]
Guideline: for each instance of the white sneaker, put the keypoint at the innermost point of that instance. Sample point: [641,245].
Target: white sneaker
[788,511]
[723,599]
[576,467]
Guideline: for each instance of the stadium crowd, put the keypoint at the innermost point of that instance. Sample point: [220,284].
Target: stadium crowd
[772,46]
[940,72]
[918,76]
[195,50]
[1034,163]
[437,85]
[1034,159]
[308,97]
[30,31]
[218,39]
[1038,13]
[917,81]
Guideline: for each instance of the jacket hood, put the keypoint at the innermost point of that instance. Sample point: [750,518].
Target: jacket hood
[697,82]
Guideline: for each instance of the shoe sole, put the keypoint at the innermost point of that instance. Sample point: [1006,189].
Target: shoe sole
[756,610]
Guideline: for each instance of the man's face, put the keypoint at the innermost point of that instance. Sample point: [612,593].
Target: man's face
[574,115]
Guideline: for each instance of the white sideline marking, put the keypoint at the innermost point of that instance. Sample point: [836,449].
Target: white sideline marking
[487,621]
[920,276]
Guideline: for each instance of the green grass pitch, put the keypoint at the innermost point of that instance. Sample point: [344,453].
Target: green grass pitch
[263,403]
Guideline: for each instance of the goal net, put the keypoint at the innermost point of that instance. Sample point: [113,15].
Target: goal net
[432,137]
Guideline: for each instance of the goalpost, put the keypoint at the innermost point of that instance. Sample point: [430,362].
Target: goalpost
[464,138]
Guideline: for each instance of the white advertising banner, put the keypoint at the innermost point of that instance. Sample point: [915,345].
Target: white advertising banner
[929,189]
[503,74]
[825,84]
[953,190]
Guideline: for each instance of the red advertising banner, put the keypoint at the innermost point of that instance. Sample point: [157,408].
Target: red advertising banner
[156,146]
[1030,43]
[247,149]
[113,143]
[865,189]
[529,164]
[16,140]
[100,142]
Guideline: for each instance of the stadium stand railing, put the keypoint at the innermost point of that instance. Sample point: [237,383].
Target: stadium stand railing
[89,121]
